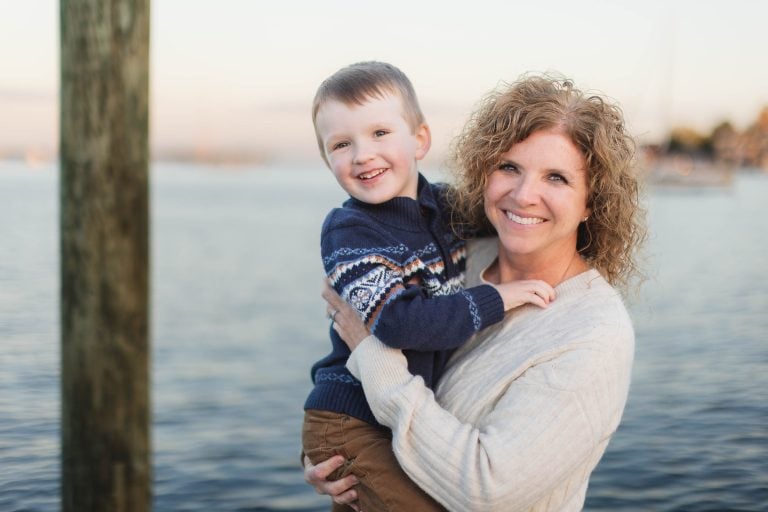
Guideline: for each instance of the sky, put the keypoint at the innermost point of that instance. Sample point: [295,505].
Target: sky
[239,75]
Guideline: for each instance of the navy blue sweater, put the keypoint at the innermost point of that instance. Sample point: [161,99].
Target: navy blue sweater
[401,267]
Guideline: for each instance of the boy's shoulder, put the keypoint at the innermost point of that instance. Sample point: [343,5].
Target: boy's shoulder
[440,192]
[390,218]
[346,216]
[349,232]
[348,225]
[439,187]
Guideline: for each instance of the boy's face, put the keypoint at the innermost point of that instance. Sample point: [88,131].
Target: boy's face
[371,148]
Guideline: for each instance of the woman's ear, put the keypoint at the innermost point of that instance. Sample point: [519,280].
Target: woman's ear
[423,139]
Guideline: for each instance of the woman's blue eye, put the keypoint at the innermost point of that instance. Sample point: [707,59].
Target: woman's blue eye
[507,167]
[558,177]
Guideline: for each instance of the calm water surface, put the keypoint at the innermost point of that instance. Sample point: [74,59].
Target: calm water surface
[237,321]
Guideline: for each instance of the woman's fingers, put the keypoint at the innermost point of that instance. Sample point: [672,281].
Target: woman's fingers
[349,499]
[331,297]
[341,489]
[342,492]
[316,475]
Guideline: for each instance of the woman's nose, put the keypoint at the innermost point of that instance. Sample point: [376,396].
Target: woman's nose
[525,191]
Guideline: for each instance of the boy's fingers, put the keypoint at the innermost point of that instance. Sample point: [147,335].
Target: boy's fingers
[544,290]
[538,301]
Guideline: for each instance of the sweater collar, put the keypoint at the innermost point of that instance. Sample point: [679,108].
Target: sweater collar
[402,211]
[572,286]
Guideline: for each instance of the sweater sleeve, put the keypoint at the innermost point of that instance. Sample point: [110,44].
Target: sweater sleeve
[538,431]
[413,320]
[369,272]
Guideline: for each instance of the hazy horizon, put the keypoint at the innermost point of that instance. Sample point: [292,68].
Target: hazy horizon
[238,77]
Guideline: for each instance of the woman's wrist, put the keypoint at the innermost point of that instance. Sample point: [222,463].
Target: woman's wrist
[353,362]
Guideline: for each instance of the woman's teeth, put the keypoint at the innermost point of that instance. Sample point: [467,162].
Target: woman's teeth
[524,220]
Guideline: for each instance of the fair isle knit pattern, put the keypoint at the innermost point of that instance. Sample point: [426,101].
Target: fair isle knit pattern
[402,269]
[473,310]
[386,279]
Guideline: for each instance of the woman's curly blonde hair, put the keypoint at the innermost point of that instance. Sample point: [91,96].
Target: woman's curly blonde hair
[609,239]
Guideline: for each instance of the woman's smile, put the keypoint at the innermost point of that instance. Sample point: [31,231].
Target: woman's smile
[524,220]
[537,196]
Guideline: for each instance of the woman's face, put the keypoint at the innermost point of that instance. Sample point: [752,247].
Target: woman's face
[536,197]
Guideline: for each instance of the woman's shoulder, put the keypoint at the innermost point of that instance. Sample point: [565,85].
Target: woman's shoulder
[593,310]
[480,254]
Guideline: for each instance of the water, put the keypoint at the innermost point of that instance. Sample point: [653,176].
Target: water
[237,321]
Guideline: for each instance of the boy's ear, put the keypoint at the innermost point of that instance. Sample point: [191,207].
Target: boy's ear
[423,139]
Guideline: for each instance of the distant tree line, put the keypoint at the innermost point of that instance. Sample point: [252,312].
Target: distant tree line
[725,144]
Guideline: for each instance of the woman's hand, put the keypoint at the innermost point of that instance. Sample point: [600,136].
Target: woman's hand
[350,327]
[341,490]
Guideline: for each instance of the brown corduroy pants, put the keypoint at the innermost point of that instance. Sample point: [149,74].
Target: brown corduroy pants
[383,486]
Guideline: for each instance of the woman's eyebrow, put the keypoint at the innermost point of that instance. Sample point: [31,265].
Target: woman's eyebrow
[509,161]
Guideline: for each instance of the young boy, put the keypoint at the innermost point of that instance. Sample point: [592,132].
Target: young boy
[390,253]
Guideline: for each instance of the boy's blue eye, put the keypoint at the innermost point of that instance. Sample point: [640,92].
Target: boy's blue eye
[380,133]
[340,145]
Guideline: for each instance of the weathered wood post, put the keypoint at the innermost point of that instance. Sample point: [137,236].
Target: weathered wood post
[106,451]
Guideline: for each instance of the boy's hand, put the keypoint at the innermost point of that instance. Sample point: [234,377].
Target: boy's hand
[533,291]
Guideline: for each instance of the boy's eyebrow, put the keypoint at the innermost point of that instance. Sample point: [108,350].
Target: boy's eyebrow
[333,136]
[331,141]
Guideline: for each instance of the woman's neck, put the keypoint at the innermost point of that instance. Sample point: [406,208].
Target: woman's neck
[552,271]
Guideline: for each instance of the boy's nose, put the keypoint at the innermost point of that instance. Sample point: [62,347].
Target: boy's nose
[363,153]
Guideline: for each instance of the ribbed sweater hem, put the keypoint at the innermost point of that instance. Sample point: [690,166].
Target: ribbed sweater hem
[343,395]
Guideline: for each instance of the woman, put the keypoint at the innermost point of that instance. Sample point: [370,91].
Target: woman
[525,410]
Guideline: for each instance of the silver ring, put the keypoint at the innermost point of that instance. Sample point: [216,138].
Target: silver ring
[333,315]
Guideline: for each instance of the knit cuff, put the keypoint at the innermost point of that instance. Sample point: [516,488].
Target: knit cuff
[372,362]
[352,364]
[489,303]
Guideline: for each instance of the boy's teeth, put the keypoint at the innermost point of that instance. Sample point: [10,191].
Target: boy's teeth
[371,174]
[524,220]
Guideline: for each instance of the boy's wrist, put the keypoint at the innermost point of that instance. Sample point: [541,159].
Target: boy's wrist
[489,302]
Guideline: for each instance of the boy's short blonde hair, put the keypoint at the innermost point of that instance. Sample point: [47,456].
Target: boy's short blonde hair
[357,83]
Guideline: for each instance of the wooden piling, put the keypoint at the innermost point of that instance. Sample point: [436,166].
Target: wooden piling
[104,197]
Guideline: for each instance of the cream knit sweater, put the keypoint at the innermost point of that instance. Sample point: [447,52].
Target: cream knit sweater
[525,409]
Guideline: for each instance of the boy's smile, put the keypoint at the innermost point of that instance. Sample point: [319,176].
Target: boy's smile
[371,148]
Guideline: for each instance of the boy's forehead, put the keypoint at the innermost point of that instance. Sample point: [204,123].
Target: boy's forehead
[329,111]
[384,94]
